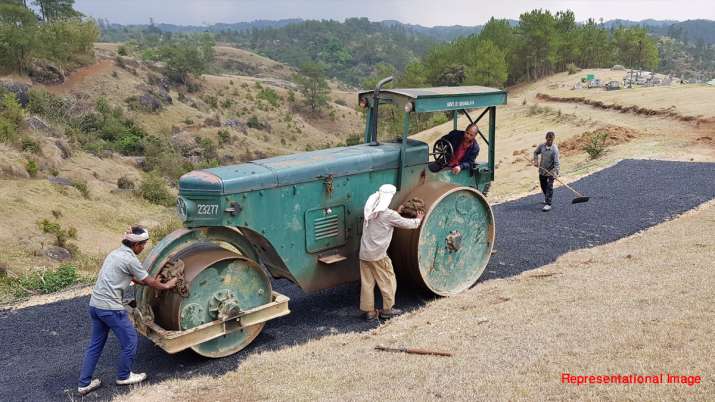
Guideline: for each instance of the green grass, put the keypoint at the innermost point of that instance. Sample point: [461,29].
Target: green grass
[14,287]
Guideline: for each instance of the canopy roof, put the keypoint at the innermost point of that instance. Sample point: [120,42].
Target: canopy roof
[443,98]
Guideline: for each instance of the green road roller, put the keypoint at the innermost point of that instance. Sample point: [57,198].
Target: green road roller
[300,217]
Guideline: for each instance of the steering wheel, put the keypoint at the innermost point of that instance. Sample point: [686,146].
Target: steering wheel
[442,152]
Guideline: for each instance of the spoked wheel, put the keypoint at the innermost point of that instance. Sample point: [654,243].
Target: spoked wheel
[219,281]
[442,152]
[450,250]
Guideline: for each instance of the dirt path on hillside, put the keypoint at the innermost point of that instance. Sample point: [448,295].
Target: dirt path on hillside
[78,76]
[43,345]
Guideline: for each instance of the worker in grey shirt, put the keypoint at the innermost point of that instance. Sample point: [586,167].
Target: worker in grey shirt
[375,265]
[119,269]
[548,167]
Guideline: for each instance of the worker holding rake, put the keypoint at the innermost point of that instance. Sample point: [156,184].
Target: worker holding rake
[548,166]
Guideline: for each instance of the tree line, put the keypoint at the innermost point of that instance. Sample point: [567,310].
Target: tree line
[348,51]
[540,44]
[56,33]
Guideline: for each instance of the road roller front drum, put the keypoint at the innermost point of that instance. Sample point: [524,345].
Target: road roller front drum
[217,285]
[449,251]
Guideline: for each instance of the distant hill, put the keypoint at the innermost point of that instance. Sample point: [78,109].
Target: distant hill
[237,26]
[694,28]
[647,23]
[440,33]
[689,31]
[112,32]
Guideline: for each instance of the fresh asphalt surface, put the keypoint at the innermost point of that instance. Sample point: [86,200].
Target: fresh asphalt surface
[41,347]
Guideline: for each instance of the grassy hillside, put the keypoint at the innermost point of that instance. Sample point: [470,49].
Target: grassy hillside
[251,111]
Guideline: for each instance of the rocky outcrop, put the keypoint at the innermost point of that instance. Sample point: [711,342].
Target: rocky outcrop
[185,143]
[20,90]
[40,126]
[44,72]
[151,100]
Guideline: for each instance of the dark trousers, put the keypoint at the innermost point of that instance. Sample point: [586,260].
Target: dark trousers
[547,187]
[102,322]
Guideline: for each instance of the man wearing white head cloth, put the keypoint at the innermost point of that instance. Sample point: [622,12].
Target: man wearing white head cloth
[119,269]
[375,265]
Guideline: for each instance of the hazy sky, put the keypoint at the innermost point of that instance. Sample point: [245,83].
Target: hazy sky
[423,12]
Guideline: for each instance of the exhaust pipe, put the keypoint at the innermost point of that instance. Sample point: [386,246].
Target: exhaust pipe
[374,112]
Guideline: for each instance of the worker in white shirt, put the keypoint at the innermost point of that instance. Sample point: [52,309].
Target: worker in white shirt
[375,265]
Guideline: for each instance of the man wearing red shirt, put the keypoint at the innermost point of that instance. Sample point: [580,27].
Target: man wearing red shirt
[465,148]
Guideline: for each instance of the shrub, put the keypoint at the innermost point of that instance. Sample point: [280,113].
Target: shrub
[193,86]
[155,190]
[210,100]
[46,104]
[11,109]
[226,103]
[125,183]
[61,235]
[208,148]
[596,145]
[253,122]
[269,96]
[163,229]
[31,168]
[341,102]
[163,159]
[30,145]
[572,68]
[109,129]
[122,50]
[8,131]
[188,120]
[224,137]
[82,187]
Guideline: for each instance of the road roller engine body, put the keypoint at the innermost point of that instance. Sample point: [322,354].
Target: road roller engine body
[300,217]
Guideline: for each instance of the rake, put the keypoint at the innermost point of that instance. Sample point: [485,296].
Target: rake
[579,197]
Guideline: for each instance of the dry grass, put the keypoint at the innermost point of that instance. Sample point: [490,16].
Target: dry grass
[104,215]
[99,220]
[622,308]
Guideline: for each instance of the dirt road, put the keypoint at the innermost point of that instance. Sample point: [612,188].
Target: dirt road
[43,345]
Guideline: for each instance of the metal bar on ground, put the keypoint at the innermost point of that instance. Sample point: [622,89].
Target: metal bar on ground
[413,351]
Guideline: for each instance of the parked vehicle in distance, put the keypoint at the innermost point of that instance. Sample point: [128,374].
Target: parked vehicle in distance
[613,85]
[594,83]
